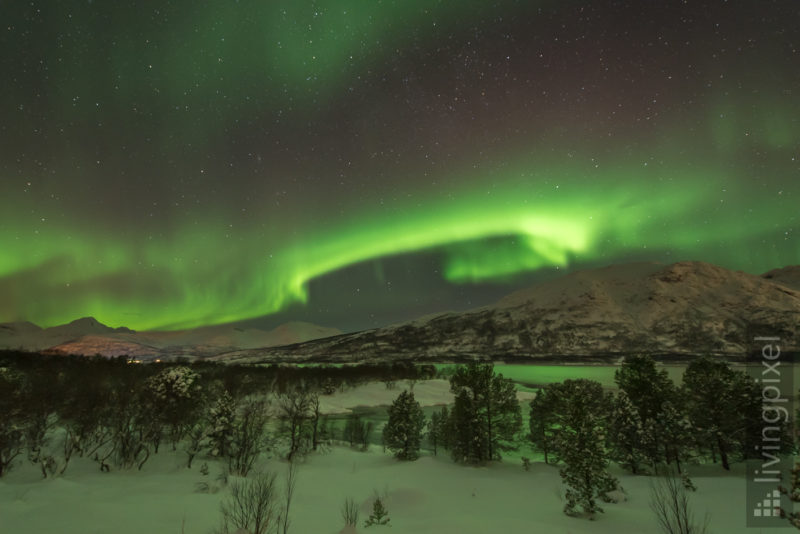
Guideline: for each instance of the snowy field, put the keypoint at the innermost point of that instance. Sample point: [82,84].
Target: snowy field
[428,393]
[431,495]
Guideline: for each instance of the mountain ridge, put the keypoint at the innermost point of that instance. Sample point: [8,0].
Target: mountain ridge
[88,336]
[678,311]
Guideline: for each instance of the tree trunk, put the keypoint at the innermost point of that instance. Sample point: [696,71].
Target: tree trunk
[723,454]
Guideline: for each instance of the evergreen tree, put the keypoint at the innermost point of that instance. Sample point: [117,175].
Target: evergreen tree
[542,419]
[465,442]
[674,434]
[403,431]
[488,404]
[661,411]
[793,492]
[724,407]
[434,431]
[645,386]
[445,429]
[579,442]
[379,516]
[626,436]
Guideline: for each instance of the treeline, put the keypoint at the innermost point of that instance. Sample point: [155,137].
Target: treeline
[53,408]
[649,426]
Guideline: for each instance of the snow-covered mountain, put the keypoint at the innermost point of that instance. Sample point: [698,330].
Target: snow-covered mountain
[670,311]
[87,336]
[28,336]
[787,276]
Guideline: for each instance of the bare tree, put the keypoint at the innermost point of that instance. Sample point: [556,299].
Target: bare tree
[248,440]
[669,501]
[295,406]
[290,482]
[252,506]
[316,414]
[12,430]
[11,444]
[195,442]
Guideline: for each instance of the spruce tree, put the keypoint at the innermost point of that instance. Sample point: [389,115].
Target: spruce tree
[626,436]
[579,442]
[724,406]
[542,419]
[661,410]
[646,386]
[464,441]
[584,470]
[379,516]
[403,432]
[675,434]
[486,402]
[434,431]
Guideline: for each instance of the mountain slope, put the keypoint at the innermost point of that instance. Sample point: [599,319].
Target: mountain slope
[87,336]
[679,310]
[787,276]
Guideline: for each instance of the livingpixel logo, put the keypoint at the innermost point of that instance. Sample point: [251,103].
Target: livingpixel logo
[772,371]
[770,506]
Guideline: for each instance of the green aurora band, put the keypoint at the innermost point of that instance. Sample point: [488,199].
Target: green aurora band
[711,172]
[201,275]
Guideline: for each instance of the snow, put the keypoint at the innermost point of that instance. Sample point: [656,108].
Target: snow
[88,336]
[432,495]
[427,393]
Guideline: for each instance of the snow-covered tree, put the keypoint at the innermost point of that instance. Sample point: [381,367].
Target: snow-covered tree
[646,386]
[403,432]
[661,413]
[489,405]
[674,435]
[723,406]
[221,419]
[626,434]
[175,391]
[542,421]
[467,444]
[579,442]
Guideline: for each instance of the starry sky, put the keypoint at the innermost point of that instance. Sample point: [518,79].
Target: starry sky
[177,163]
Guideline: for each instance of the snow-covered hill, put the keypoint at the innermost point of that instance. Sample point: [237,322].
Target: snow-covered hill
[670,311]
[87,336]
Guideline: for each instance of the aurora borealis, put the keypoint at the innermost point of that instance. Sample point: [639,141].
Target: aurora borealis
[175,164]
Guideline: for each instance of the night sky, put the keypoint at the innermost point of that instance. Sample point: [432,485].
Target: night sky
[173,164]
